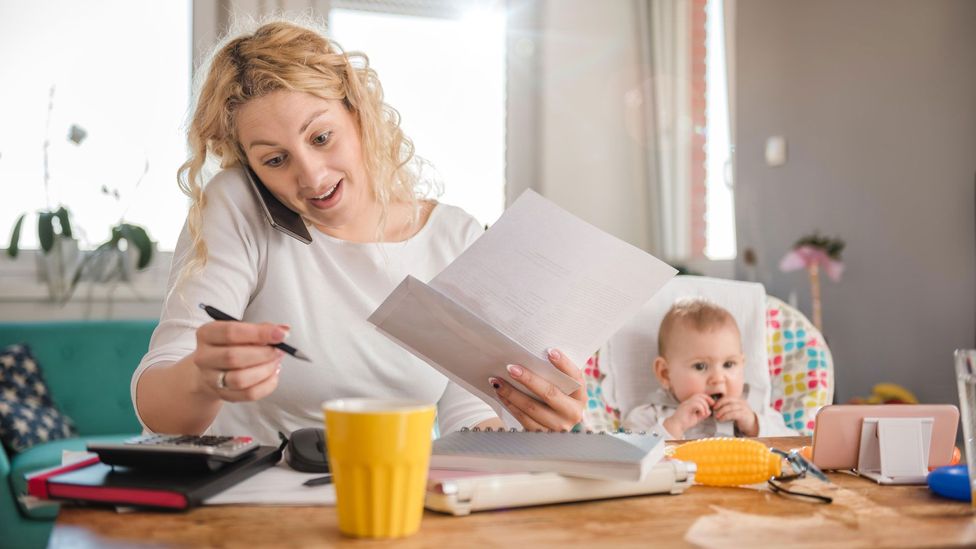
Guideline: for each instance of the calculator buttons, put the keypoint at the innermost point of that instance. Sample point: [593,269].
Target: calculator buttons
[223,448]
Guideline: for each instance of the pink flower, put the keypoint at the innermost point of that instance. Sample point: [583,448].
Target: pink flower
[803,257]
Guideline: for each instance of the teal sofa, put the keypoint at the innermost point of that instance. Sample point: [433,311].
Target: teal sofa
[88,366]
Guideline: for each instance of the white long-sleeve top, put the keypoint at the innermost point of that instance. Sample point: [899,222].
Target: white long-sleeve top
[662,404]
[325,291]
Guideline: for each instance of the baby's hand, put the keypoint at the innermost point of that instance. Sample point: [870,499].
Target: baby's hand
[689,413]
[737,410]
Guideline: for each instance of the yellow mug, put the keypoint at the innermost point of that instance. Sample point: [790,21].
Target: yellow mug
[379,451]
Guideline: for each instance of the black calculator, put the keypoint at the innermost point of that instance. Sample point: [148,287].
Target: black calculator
[175,452]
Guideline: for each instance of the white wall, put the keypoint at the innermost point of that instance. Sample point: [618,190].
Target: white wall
[877,99]
[590,163]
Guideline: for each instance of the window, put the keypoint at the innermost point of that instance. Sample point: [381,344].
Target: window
[119,70]
[446,76]
[684,46]
[719,206]
[712,212]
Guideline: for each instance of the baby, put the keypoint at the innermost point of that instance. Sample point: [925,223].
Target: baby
[701,369]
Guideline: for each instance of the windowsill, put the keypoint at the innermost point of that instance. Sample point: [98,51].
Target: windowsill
[138,290]
[19,283]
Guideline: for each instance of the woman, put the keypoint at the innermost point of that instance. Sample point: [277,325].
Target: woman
[311,123]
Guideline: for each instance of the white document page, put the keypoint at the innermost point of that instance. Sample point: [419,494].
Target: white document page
[278,485]
[540,278]
[546,278]
[457,343]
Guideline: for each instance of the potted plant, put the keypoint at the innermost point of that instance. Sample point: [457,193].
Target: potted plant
[59,247]
[128,249]
[51,226]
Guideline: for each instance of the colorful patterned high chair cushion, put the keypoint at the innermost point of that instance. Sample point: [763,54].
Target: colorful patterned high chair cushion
[801,368]
[599,415]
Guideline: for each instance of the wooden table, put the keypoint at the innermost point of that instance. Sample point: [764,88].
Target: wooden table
[863,514]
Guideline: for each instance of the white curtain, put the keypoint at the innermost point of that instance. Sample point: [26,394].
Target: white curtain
[664,28]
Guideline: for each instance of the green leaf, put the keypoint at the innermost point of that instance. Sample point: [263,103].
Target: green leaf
[137,236]
[14,246]
[116,237]
[62,215]
[45,230]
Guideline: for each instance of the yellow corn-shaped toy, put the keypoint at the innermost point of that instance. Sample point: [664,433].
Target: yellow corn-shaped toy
[730,461]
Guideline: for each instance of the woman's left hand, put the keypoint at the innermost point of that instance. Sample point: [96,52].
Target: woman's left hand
[557,411]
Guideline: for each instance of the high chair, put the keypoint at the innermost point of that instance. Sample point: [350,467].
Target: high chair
[788,364]
[801,368]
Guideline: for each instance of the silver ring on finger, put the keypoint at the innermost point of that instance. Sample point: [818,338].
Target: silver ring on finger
[222,379]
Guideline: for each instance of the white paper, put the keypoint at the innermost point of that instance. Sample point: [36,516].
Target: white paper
[74,456]
[540,278]
[546,278]
[278,485]
[446,336]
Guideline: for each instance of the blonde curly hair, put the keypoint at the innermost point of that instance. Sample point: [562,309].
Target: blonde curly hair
[284,55]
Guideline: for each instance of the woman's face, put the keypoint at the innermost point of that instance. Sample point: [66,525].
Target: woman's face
[308,152]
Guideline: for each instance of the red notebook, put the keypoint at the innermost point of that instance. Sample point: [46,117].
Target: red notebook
[94,482]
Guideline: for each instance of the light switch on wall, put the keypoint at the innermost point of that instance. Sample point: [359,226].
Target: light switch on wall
[776,150]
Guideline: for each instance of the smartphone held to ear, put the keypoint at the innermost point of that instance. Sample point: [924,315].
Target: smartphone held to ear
[280,216]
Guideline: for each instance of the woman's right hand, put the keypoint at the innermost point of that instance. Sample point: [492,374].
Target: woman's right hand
[235,360]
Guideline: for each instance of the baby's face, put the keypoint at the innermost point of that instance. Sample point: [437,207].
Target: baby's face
[709,362]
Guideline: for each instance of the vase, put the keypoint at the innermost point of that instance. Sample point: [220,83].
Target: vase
[57,266]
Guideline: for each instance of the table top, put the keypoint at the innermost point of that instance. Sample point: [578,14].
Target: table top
[863,514]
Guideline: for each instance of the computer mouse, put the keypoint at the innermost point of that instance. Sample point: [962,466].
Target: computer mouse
[307,451]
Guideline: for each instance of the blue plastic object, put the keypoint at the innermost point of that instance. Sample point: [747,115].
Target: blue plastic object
[951,481]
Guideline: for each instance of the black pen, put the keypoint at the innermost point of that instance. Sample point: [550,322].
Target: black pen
[217,314]
[317,481]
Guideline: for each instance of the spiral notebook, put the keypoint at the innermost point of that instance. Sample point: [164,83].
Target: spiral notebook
[621,456]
